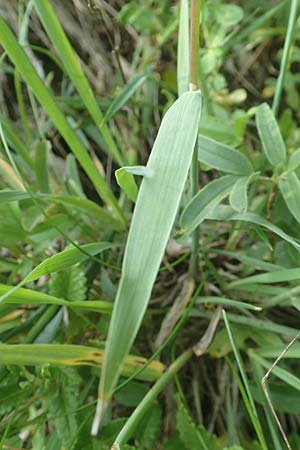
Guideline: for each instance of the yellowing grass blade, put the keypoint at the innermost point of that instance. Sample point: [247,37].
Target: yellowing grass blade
[152,221]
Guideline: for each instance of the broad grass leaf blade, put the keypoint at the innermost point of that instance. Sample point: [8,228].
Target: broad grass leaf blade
[238,196]
[127,92]
[183,49]
[290,190]
[223,212]
[207,199]
[74,70]
[152,221]
[47,100]
[222,157]
[74,355]
[270,135]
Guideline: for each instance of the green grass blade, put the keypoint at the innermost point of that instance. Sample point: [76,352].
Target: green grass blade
[81,204]
[47,100]
[61,261]
[155,212]
[214,300]
[73,355]
[22,296]
[206,200]
[74,70]
[127,92]
[285,55]
[271,138]
[223,212]
[183,49]
[277,276]
[252,410]
[222,157]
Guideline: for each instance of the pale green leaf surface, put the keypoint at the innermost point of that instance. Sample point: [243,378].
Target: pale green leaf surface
[155,212]
[294,160]
[238,196]
[222,157]
[270,135]
[290,190]
[277,276]
[183,49]
[204,201]
[127,182]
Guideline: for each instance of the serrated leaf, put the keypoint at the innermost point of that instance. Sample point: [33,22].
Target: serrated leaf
[270,135]
[69,284]
[290,189]
[194,437]
[222,157]
[155,211]
[206,200]
[149,428]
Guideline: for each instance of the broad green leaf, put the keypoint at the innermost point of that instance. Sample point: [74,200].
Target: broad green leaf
[74,355]
[270,135]
[183,49]
[127,92]
[294,160]
[47,100]
[23,296]
[228,15]
[277,276]
[205,201]
[289,186]
[238,196]
[221,157]
[74,70]
[223,212]
[155,212]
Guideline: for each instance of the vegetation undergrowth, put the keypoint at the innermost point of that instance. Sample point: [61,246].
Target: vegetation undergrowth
[149,225]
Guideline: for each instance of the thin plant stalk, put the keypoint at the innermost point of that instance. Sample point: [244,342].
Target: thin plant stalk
[194,85]
[285,56]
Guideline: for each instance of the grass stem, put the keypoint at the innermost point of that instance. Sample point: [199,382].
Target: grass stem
[285,56]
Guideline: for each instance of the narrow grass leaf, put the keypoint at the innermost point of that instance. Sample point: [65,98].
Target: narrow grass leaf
[214,300]
[270,277]
[74,70]
[205,201]
[22,296]
[222,157]
[127,92]
[223,212]
[152,221]
[238,196]
[81,204]
[290,189]
[74,355]
[271,138]
[47,100]
[183,49]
